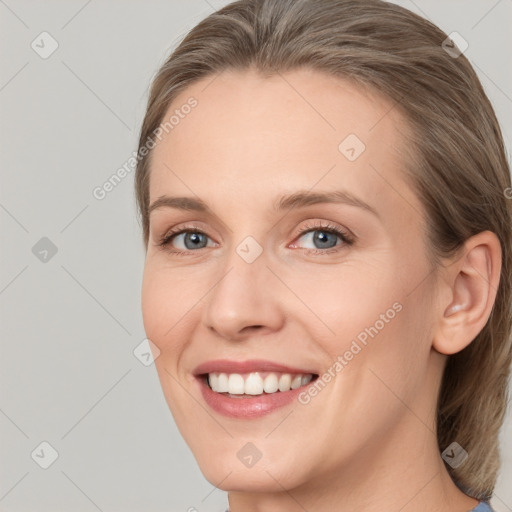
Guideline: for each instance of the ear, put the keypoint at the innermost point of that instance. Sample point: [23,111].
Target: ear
[469,290]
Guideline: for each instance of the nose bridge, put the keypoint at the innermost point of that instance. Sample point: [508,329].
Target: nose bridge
[244,295]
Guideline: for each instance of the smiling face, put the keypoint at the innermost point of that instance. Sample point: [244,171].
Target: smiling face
[338,285]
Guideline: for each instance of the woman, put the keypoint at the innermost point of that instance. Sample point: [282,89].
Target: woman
[323,191]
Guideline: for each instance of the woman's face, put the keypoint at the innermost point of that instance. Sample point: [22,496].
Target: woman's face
[262,277]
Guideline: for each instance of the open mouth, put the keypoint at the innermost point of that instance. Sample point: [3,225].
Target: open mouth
[254,384]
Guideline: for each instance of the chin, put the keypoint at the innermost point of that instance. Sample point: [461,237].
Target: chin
[255,479]
[234,466]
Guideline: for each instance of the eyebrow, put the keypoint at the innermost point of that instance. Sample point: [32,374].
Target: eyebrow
[306,198]
[298,199]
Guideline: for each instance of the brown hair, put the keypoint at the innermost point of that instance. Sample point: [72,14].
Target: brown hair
[457,163]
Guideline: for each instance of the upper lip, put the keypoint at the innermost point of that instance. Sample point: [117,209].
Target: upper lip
[253,365]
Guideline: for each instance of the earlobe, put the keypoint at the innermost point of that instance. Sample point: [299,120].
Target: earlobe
[473,280]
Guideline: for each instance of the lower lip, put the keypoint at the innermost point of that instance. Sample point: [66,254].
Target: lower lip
[247,408]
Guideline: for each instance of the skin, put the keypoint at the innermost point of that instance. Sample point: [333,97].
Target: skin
[367,441]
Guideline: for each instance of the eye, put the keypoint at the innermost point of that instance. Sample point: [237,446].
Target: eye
[324,238]
[186,239]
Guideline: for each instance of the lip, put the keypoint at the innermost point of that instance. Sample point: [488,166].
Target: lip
[247,408]
[253,365]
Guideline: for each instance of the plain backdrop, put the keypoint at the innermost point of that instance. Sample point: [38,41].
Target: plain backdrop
[71,265]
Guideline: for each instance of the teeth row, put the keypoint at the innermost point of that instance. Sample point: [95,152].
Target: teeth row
[254,384]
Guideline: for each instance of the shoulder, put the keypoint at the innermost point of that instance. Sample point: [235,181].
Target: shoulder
[483,506]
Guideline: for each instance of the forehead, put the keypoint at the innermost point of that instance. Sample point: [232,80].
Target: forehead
[300,129]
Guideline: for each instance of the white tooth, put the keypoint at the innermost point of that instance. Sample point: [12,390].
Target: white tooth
[306,379]
[296,381]
[222,383]
[236,384]
[284,382]
[213,380]
[270,384]
[254,384]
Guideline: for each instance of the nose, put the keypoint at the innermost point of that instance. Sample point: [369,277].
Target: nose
[244,301]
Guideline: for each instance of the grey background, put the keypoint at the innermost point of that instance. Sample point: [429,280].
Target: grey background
[69,325]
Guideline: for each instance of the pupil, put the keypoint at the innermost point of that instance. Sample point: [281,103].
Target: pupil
[321,238]
[195,238]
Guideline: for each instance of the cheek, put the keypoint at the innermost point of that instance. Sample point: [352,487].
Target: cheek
[153,305]
[165,305]
[348,301]
[165,314]
[392,353]
[373,315]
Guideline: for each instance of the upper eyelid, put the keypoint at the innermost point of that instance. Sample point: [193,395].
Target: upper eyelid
[343,233]
[316,225]
[185,204]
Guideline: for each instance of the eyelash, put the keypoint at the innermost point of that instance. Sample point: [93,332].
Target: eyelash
[345,237]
